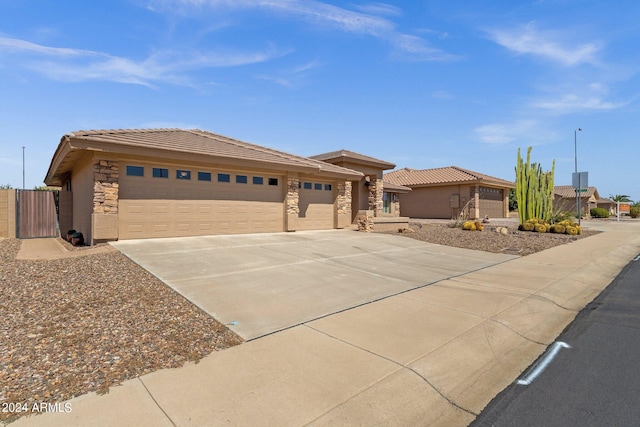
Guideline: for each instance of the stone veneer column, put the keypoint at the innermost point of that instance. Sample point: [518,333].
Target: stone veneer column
[376,189]
[105,187]
[104,223]
[343,204]
[396,204]
[292,202]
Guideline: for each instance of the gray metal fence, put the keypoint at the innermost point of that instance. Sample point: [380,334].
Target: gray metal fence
[36,214]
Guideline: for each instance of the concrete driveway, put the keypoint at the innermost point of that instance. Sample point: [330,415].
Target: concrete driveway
[258,284]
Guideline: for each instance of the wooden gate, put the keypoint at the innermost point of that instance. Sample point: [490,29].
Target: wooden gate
[36,214]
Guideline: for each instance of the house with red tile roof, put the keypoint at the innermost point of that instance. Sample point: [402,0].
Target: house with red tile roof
[449,192]
[145,183]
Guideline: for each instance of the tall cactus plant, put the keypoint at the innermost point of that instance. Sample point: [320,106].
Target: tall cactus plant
[534,189]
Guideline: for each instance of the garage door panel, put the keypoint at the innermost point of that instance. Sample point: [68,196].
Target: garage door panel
[148,218]
[316,209]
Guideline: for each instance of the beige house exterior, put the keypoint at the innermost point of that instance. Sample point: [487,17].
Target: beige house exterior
[146,183]
[370,192]
[448,192]
[565,199]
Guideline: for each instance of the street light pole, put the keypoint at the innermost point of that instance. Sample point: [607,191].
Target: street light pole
[23,167]
[575,151]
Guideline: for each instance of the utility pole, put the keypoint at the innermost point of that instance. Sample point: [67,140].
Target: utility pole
[578,193]
[23,187]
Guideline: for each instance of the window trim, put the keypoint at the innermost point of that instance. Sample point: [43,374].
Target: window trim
[131,168]
[202,174]
[161,172]
[186,176]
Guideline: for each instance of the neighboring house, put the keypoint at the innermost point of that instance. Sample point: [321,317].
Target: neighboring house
[565,200]
[130,184]
[450,191]
[371,193]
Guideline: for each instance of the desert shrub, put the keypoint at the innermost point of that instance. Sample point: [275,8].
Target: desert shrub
[469,225]
[572,231]
[540,228]
[558,228]
[634,212]
[558,215]
[599,213]
[479,226]
[528,226]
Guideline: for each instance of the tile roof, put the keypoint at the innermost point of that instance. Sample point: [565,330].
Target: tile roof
[354,157]
[193,141]
[388,186]
[568,192]
[442,176]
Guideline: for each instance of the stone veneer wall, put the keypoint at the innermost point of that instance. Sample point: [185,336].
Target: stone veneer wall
[293,195]
[395,205]
[105,187]
[376,189]
[343,198]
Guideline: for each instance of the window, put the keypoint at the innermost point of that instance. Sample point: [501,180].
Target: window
[241,179]
[307,186]
[258,180]
[135,170]
[204,176]
[273,181]
[180,174]
[317,186]
[327,187]
[160,173]
[224,177]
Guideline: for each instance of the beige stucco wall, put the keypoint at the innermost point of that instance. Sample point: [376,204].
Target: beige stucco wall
[8,213]
[82,189]
[433,202]
[569,204]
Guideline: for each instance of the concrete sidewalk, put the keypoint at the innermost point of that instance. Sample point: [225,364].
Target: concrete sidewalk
[432,356]
[51,248]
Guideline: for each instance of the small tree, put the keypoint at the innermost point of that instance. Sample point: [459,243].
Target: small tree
[534,189]
[620,198]
[5,187]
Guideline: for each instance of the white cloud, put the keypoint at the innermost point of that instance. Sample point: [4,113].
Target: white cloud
[592,96]
[365,22]
[571,103]
[545,44]
[505,133]
[380,9]
[68,64]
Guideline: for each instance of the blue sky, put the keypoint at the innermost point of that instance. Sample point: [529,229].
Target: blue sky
[422,84]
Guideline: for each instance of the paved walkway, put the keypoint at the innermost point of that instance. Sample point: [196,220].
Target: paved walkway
[432,356]
[52,248]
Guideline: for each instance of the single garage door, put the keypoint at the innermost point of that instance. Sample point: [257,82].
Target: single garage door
[491,202]
[209,202]
[316,203]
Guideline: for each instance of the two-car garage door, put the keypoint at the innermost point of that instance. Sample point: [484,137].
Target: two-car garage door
[155,205]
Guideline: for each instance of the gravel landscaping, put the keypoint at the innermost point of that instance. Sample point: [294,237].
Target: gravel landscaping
[86,323]
[75,325]
[515,242]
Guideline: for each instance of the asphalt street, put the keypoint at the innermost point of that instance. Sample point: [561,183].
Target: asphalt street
[594,378]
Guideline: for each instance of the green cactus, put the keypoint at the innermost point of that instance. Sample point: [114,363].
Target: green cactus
[572,231]
[534,189]
[541,228]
